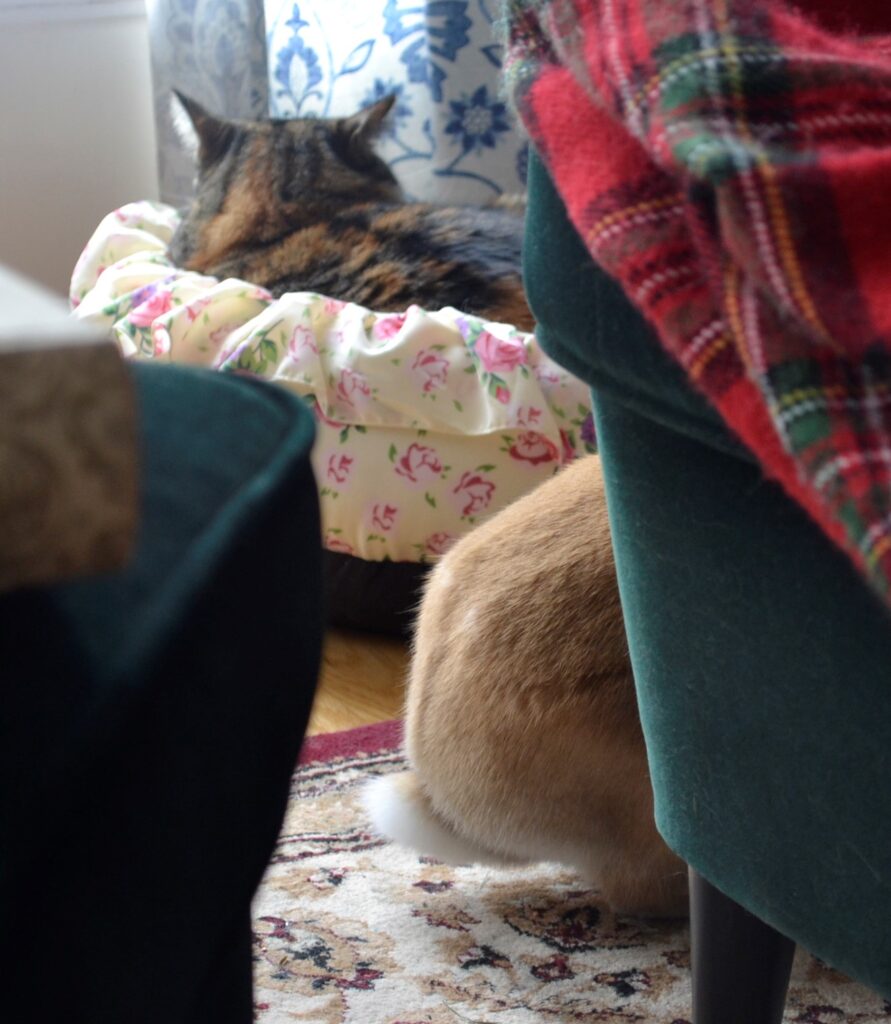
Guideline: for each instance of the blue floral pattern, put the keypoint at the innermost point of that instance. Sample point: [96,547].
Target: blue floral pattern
[309,60]
[296,49]
[477,121]
[444,37]
[449,138]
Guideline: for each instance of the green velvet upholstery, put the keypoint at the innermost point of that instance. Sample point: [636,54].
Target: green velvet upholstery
[576,304]
[762,663]
[150,720]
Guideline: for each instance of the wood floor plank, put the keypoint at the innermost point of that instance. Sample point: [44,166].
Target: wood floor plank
[362,681]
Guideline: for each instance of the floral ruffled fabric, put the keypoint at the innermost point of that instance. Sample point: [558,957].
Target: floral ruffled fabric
[426,421]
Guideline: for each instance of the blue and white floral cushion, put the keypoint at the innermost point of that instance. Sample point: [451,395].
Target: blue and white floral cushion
[451,136]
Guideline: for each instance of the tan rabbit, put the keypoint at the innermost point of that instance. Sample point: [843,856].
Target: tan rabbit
[522,729]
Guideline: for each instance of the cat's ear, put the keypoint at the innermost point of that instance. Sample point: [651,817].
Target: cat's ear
[202,134]
[367,124]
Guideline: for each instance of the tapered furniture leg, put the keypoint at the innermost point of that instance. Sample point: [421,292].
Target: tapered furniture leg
[741,965]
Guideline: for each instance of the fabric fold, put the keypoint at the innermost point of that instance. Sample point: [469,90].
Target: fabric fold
[427,420]
[729,164]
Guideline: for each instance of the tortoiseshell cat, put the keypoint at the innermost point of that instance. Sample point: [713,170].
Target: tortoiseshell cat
[307,205]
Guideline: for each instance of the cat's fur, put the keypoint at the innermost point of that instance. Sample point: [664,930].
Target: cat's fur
[306,205]
[522,729]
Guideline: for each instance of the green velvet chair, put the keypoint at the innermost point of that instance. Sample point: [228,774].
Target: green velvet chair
[150,720]
[762,662]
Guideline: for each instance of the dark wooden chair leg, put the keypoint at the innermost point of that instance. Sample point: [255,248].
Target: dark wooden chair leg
[741,965]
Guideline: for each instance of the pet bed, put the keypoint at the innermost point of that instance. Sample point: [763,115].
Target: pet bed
[427,421]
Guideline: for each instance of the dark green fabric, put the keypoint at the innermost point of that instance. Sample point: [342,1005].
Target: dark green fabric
[761,660]
[762,667]
[150,719]
[579,308]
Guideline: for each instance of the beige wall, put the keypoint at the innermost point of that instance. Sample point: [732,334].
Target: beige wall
[76,132]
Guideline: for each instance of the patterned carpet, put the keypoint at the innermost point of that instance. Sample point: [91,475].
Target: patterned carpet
[351,930]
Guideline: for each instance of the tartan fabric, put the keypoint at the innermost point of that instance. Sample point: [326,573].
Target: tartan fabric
[729,162]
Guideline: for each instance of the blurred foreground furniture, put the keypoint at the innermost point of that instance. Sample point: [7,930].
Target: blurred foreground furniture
[762,661]
[153,700]
[68,459]
[450,137]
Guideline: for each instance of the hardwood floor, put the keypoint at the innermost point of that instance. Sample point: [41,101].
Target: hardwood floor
[362,681]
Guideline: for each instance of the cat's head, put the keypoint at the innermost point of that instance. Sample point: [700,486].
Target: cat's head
[259,180]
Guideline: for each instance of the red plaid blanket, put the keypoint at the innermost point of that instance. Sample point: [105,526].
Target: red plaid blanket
[729,162]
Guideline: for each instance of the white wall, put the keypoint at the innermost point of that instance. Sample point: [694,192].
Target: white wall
[77,134]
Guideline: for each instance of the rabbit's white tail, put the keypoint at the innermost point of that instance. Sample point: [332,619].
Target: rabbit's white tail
[399,809]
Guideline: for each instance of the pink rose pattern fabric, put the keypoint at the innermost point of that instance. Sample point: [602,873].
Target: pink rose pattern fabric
[534,448]
[474,493]
[427,421]
[419,463]
[432,371]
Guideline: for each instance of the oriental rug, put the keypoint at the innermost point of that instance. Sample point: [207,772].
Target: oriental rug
[349,929]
